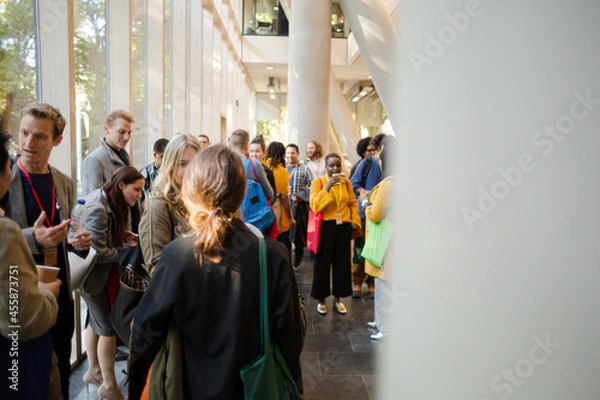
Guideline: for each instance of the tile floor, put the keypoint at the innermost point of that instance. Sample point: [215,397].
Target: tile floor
[338,360]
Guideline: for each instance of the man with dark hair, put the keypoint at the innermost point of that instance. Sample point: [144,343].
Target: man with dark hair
[204,140]
[40,200]
[100,164]
[300,180]
[364,148]
[150,171]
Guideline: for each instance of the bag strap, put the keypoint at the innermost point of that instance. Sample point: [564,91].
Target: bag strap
[260,184]
[366,169]
[265,333]
[254,170]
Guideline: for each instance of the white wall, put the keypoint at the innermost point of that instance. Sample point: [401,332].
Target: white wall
[503,305]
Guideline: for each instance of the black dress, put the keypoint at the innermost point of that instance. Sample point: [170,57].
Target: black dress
[216,309]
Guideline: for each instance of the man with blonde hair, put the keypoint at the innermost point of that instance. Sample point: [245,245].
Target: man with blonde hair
[100,164]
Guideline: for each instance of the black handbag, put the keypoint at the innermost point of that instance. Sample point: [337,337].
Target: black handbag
[133,281]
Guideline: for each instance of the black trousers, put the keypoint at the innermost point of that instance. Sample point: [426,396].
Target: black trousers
[298,233]
[284,238]
[334,249]
[62,333]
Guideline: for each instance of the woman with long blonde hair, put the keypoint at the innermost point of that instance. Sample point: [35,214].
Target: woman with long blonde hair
[206,285]
[164,216]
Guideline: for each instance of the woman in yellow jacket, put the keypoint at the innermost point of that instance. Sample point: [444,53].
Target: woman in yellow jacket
[282,207]
[332,194]
[378,207]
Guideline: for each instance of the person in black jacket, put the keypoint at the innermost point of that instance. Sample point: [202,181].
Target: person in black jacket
[206,284]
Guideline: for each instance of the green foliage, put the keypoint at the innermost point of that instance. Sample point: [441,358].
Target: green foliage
[17,61]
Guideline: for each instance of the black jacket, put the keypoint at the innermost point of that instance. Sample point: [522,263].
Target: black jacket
[216,309]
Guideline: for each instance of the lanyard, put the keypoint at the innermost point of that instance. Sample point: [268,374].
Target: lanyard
[35,195]
[338,199]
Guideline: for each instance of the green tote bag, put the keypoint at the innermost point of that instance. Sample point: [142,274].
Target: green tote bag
[267,377]
[378,240]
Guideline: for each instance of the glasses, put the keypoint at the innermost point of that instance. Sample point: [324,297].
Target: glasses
[371,150]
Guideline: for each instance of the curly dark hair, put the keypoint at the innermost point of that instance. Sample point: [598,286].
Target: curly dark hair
[362,146]
[276,152]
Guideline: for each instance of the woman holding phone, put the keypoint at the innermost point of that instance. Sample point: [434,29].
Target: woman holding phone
[110,210]
[332,195]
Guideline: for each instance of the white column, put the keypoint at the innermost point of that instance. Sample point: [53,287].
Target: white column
[215,118]
[379,45]
[308,73]
[56,75]
[179,65]
[207,72]
[194,111]
[118,73]
[155,72]
[342,119]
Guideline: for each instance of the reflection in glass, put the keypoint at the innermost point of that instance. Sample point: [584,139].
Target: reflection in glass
[90,77]
[138,55]
[17,62]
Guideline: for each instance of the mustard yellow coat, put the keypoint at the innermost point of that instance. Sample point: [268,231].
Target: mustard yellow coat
[282,189]
[379,209]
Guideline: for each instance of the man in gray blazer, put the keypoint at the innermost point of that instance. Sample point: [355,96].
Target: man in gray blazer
[98,167]
[39,200]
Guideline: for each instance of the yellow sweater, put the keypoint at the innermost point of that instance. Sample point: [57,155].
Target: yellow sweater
[327,202]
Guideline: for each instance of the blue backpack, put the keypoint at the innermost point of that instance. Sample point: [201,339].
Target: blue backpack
[255,208]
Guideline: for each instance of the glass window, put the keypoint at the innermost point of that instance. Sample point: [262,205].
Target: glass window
[17,62]
[90,77]
[138,73]
[90,109]
[265,17]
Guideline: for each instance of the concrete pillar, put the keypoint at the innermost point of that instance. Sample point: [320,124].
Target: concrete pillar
[342,120]
[379,45]
[308,73]
[179,71]
[194,111]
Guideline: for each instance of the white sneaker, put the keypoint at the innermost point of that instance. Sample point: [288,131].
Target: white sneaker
[322,308]
[377,336]
[372,324]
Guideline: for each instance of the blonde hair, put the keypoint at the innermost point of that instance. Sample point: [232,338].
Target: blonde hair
[318,148]
[43,110]
[212,191]
[239,139]
[165,187]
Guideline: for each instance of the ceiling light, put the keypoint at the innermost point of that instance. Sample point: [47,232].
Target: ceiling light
[276,8]
[271,86]
[363,92]
[272,96]
[269,68]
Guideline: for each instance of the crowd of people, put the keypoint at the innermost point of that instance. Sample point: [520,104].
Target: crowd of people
[185,211]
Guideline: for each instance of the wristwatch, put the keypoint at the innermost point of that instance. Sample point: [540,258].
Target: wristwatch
[365,203]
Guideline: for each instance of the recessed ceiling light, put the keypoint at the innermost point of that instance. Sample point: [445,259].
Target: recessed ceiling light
[276,8]
[270,68]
